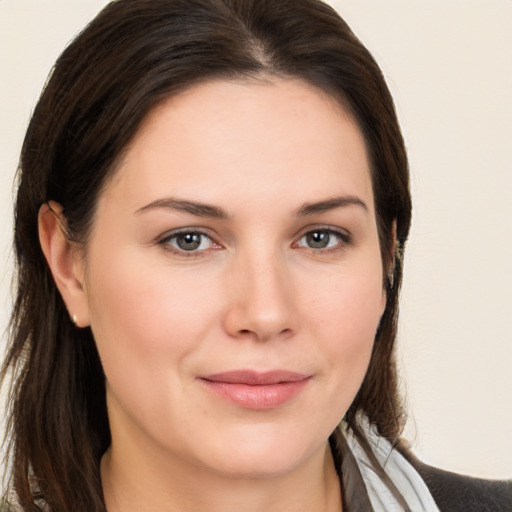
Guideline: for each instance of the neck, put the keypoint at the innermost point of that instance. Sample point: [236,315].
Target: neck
[177,486]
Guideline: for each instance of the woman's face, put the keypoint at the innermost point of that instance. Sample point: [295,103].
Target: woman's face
[233,278]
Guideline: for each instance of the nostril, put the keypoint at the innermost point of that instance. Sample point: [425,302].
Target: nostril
[259,334]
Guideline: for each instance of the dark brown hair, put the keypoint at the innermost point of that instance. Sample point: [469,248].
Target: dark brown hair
[133,55]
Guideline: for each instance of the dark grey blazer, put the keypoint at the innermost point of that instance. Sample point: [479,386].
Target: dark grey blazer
[454,493]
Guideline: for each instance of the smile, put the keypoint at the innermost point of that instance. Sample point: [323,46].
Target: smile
[254,390]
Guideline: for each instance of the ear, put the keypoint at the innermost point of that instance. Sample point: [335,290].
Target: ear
[65,262]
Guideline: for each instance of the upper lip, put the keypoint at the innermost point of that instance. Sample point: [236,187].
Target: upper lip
[255,378]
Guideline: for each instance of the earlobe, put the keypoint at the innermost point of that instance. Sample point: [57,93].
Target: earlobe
[64,261]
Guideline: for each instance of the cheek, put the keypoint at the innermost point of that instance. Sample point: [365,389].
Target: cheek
[351,304]
[146,327]
[144,319]
[346,318]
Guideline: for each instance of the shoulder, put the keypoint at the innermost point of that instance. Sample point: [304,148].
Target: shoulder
[453,492]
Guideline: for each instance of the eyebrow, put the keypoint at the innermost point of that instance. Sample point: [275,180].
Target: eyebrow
[206,210]
[329,204]
[192,207]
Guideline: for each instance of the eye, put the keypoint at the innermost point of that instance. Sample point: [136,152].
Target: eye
[188,241]
[323,239]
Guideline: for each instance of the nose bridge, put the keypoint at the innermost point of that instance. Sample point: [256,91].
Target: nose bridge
[261,304]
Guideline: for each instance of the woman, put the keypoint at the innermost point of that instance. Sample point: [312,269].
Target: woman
[211,215]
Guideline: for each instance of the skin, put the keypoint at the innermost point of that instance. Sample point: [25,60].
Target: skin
[254,295]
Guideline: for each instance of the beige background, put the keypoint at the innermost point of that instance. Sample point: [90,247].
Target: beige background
[449,66]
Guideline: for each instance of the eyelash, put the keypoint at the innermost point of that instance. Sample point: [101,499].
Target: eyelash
[343,238]
[166,242]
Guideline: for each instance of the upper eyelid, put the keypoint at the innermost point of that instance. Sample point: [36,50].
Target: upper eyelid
[344,238]
[322,227]
[179,231]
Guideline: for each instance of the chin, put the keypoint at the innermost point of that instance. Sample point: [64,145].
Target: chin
[263,466]
[263,456]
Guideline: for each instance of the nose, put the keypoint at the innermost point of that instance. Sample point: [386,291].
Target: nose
[261,300]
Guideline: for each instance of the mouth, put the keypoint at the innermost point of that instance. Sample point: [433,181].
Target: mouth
[250,389]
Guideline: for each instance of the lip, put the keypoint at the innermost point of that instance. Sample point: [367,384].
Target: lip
[251,389]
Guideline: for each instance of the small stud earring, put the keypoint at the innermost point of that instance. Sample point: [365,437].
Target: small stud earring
[74,319]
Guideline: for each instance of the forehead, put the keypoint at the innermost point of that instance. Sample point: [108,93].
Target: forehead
[267,140]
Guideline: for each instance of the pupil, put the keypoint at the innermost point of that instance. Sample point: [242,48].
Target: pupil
[189,241]
[318,239]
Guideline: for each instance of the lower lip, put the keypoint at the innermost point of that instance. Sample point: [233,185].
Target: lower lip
[266,396]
